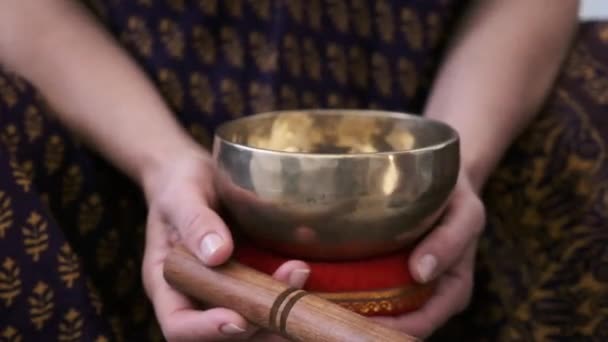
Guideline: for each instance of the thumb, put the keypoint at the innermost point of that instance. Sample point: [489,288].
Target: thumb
[200,228]
[462,223]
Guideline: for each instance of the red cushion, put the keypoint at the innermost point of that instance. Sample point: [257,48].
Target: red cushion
[376,286]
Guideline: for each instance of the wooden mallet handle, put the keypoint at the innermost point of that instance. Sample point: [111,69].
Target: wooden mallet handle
[270,304]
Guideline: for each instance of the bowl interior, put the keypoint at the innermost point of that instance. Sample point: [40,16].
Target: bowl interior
[336,132]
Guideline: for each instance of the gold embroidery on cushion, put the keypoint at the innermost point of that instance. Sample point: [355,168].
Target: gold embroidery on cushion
[381,301]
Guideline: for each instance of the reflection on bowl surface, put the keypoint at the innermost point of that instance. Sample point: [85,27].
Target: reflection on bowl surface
[335,184]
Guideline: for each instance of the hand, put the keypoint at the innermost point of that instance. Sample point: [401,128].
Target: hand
[447,255]
[181,201]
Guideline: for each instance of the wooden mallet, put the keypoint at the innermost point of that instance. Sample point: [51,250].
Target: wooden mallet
[295,314]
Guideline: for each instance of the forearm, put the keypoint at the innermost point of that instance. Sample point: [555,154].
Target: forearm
[498,73]
[93,86]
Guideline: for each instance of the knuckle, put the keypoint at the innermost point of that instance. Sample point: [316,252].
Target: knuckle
[191,225]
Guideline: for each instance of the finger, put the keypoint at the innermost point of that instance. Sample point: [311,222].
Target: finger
[176,315]
[222,323]
[200,228]
[462,223]
[294,273]
[217,324]
[452,295]
[180,321]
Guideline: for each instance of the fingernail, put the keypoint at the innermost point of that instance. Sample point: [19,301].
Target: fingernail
[426,267]
[298,277]
[210,244]
[231,329]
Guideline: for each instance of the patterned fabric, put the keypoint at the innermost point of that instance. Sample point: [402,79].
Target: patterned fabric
[71,227]
[543,264]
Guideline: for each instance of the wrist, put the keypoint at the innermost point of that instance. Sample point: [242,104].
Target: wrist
[475,172]
[161,160]
[481,145]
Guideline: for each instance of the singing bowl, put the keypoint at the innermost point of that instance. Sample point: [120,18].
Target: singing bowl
[335,184]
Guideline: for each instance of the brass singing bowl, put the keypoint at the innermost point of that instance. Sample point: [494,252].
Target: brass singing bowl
[335,184]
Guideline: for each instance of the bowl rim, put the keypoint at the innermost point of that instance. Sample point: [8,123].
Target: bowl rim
[454,137]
